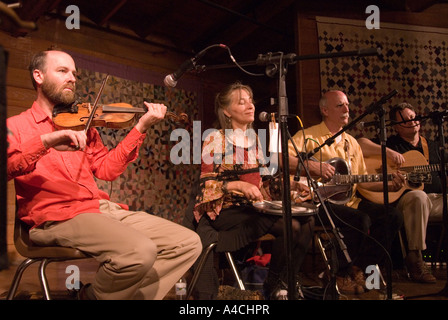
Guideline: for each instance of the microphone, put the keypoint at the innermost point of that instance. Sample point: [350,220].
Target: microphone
[171,79]
[362,124]
[266,116]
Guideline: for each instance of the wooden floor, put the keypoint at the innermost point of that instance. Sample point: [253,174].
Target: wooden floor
[29,289]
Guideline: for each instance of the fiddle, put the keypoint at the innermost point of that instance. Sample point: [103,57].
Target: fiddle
[114,116]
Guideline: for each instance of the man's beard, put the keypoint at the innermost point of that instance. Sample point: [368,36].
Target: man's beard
[58,96]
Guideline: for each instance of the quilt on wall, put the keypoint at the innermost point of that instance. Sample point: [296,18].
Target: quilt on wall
[152,183]
[413,61]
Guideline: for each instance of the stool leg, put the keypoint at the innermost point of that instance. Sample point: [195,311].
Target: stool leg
[235,270]
[43,279]
[18,276]
[198,270]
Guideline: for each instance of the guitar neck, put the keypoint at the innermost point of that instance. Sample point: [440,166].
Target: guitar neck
[423,168]
[350,179]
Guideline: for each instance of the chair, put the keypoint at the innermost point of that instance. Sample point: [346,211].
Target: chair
[33,254]
[205,254]
[189,222]
[203,258]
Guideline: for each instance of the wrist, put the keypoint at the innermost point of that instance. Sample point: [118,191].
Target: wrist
[224,187]
[140,128]
[45,143]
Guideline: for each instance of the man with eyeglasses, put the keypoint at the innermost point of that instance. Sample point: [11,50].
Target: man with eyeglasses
[417,206]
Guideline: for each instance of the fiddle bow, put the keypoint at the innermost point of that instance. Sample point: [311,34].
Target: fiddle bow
[95,104]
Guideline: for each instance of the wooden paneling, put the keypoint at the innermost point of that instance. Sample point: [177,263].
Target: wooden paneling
[20,97]
[19,78]
[308,78]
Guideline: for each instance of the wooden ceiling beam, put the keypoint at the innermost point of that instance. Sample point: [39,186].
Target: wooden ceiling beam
[116,5]
[32,10]
[419,5]
[240,30]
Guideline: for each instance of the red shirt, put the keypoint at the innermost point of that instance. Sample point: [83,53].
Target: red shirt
[56,185]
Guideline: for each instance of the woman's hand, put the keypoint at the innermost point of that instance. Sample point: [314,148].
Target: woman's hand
[250,191]
[300,192]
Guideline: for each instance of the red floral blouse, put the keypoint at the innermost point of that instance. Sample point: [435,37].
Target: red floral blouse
[223,154]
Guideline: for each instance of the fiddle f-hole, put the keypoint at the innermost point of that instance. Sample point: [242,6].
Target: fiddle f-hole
[82,119]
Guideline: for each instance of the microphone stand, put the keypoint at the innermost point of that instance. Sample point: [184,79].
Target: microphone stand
[333,263]
[286,194]
[279,61]
[383,140]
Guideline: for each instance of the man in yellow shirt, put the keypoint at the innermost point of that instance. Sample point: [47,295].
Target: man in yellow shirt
[379,222]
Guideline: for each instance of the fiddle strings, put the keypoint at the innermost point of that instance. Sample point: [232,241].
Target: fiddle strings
[95,104]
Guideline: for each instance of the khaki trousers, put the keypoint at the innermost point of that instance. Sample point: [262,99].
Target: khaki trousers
[418,208]
[141,255]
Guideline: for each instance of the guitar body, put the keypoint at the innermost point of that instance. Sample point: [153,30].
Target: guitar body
[374,165]
[334,193]
[340,193]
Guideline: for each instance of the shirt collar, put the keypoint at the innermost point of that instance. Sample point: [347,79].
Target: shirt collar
[38,113]
[325,132]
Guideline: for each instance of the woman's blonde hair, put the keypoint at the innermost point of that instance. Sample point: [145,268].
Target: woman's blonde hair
[223,100]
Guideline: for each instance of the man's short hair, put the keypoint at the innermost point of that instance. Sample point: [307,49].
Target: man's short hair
[399,107]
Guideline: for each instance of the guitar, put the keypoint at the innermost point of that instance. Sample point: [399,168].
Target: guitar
[415,163]
[339,189]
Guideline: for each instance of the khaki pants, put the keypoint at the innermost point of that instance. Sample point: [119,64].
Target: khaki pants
[141,255]
[418,208]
